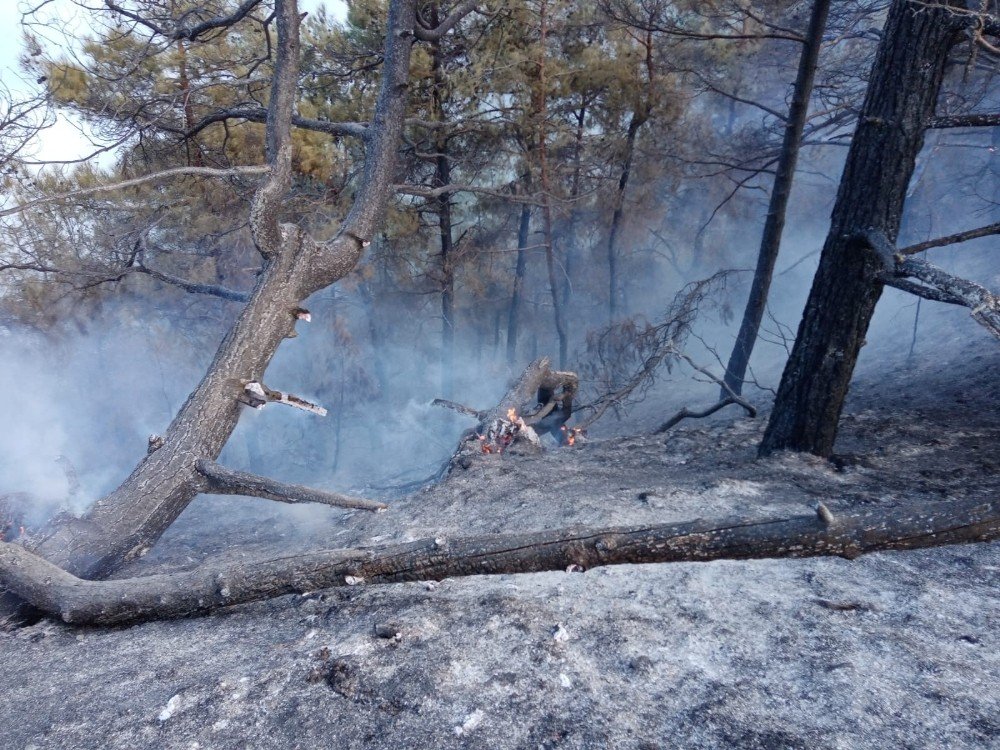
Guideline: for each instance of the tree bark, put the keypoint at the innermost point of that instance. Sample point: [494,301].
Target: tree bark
[902,93]
[846,534]
[128,521]
[774,225]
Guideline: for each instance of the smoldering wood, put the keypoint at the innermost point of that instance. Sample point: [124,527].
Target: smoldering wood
[220,480]
[848,533]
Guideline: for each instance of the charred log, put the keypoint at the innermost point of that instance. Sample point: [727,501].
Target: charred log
[846,534]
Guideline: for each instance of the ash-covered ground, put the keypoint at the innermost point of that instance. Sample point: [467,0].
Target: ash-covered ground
[896,650]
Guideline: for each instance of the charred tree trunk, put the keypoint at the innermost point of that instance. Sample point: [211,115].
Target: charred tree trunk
[775,223]
[546,185]
[514,317]
[846,534]
[902,93]
[616,216]
[442,176]
[126,523]
[574,209]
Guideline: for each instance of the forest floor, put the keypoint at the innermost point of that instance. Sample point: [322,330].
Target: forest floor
[894,650]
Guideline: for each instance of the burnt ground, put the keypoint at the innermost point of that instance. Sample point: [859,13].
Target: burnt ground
[895,650]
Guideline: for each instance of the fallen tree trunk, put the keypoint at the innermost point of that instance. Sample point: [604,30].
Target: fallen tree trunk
[846,534]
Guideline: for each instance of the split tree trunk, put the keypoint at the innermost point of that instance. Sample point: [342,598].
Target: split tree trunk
[127,522]
[902,93]
[774,225]
[846,534]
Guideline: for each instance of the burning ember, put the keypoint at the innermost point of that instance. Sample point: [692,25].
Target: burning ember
[571,434]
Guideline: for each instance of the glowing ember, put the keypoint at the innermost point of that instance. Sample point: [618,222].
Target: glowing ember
[570,434]
[512,414]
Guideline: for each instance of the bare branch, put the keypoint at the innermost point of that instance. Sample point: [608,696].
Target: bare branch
[951,239]
[125,184]
[181,30]
[980,120]
[257,394]
[222,481]
[259,114]
[460,408]
[212,290]
[437,192]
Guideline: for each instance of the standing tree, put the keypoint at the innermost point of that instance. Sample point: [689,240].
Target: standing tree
[858,257]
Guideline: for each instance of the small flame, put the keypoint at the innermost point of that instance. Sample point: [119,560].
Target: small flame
[512,414]
[570,434]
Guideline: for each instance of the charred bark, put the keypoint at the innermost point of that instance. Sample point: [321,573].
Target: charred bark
[844,533]
[900,102]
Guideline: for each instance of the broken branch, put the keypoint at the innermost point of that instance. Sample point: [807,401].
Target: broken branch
[222,481]
[257,394]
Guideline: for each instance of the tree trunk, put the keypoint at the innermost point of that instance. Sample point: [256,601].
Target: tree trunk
[634,124]
[847,534]
[775,223]
[513,319]
[902,93]
[574,208]
[541,109]
[127,522]
[442,176]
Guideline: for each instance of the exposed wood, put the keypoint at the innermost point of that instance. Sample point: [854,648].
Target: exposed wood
[849,533]
[222,481]
[541,397]
[257,394]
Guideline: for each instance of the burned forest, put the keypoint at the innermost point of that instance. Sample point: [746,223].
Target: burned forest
[447,373]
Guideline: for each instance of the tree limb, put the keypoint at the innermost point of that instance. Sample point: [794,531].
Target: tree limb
[182,31]
[222,481]
[212,290]
[435,34]
[951,239]
[974,120]
[259,114]
[125,184]
[847,533]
